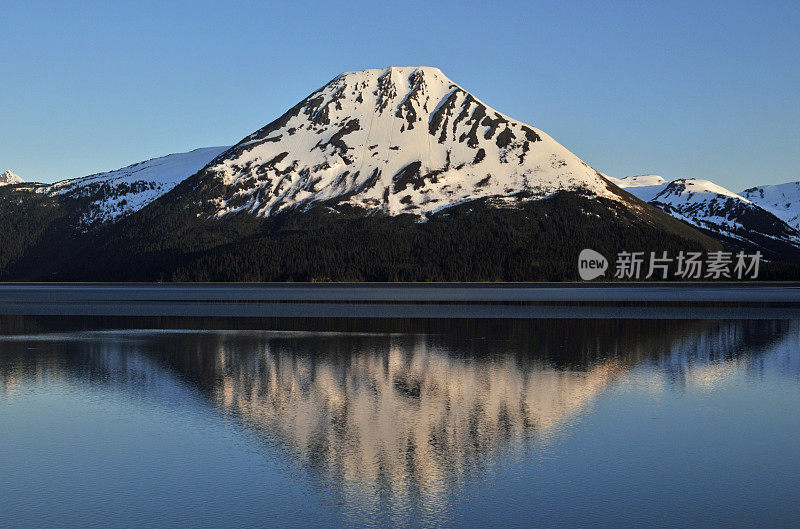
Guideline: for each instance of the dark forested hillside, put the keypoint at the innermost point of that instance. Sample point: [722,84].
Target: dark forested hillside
[536,240]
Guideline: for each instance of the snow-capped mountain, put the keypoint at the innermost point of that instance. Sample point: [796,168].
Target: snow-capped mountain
[782,200]
[108,196]
[399,140]
[704,204]
[9,178]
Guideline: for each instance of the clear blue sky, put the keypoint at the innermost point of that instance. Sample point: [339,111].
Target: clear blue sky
[682,89]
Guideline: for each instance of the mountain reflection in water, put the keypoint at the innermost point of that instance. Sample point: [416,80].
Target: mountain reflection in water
[388,420]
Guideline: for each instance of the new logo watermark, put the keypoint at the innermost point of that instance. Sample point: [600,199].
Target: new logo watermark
[591,264]
[684,265]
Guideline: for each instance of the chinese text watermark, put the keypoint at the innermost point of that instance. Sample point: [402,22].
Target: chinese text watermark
[661,265]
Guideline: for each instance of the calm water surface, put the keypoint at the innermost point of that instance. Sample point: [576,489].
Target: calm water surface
[457,424]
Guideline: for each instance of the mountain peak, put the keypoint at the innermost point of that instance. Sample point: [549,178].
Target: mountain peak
[397,139]
[698,186]
[403,72]
[7,177]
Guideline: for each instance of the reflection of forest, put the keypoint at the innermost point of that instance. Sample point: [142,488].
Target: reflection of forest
[402,414]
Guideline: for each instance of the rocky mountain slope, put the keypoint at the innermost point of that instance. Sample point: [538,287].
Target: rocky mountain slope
[717,210]
[105,197]
[782,200]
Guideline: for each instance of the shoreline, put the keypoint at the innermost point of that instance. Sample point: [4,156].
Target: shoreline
[398,300]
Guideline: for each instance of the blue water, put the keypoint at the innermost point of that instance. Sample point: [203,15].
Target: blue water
[543,423]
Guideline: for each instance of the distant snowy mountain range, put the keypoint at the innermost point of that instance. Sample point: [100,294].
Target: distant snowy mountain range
[384,143]
[756,215]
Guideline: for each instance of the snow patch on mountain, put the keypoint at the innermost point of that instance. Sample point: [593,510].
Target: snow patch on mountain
[782,200]
[638,181]
[397,140]
[9,178]
[644,187]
